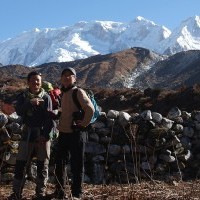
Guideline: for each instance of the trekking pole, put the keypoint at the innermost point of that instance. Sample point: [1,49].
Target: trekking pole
[111,135]
[70,193]
[28,161]
[61,184]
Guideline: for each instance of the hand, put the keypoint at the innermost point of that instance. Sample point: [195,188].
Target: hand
[36,101]
[79,123]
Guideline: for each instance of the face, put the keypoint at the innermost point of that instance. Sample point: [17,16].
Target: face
[68,79]
[35,83]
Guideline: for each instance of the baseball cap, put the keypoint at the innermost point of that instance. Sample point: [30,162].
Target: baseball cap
[72,70]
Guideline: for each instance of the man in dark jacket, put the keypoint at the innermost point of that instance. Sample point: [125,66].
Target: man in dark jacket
[34,106]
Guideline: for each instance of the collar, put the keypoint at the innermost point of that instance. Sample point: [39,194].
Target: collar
[68,88]
[30,95]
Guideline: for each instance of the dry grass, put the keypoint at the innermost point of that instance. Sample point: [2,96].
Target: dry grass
[143,191]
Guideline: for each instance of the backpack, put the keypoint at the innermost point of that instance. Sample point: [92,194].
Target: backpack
[54,93]
[90,94]
[55,98]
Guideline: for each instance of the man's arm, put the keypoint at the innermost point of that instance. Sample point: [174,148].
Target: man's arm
[87,107]
[49,122]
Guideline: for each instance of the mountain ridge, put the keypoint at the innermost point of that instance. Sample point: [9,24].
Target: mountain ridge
[131,68]
[85,39]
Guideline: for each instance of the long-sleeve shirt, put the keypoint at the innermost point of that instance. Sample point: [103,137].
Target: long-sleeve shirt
[68,107]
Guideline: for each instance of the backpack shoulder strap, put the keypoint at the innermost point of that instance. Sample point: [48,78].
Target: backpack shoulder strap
[75,98]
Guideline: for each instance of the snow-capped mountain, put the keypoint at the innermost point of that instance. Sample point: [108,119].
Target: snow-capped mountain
[185,37]
[86,39]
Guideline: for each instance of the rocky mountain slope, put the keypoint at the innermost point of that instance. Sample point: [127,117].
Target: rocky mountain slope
[109,70]
[132,68]
[181,69]
[134,79]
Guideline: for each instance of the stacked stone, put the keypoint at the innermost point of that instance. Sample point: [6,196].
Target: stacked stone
[124,148]
[10,135]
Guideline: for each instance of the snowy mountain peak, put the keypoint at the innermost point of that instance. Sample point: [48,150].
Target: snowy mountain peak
[142,19]
[108,24]
[192,24]
[192,20]
[185,37]
[36,30]
[85,39]
[197,18]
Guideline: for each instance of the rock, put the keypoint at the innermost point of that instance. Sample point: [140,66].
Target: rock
[10,158]
[94,148]
[124,118]
[98,159]
[167,123]
[98,125]
[178,151]
[110,122]
[188,131]
[185,115]
[98,173]
[167,158]
[14,145]
[3,119]
[4,135]
[114,150]
[196,115]
[122,98]
[178,128]
[197,125]
[146,115]
[16,137]
[174,113]
[126,149]
[136,118]
[104,131]
[160,167]
[13,128]
[93,137]
[178,120]
[186,156]
[174,140]
[105,140]
[14,118]
[156,117]
[147,166]
[7,177]
[113,114]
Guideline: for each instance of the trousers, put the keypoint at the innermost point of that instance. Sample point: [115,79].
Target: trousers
[70,148]
[26,151]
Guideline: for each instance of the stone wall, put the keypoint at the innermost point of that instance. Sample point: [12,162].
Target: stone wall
[123,148]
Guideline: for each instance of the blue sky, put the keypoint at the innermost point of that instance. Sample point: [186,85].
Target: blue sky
[17,16]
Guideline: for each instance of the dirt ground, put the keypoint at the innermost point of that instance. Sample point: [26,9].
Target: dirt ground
[141,191]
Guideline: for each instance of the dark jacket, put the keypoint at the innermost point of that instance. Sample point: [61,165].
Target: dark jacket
[35,116]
